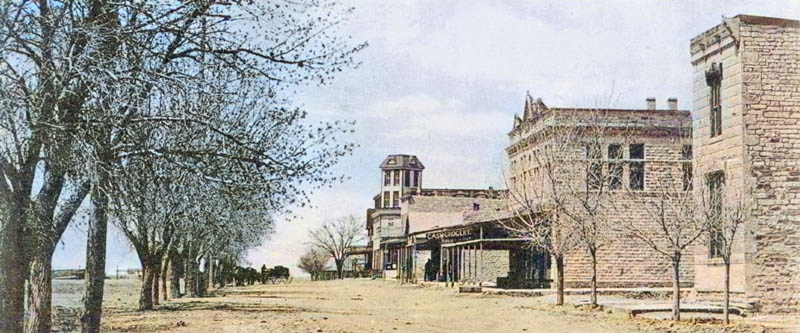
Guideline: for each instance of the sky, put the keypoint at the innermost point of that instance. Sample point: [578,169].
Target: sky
[442,80]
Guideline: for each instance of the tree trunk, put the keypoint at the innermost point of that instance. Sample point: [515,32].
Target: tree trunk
[174,279]
[13,268]
[676,287]
[593,283]
[95,262]
[176,270]
[559,279]
[146,290]
[190,276]
[156,280]
[39,315]
[164,275]
[340,267]
[210,272]
[727,297]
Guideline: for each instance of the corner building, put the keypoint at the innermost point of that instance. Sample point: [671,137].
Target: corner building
[746,133]
[635,150]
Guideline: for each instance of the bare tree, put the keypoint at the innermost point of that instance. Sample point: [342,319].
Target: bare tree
[669,223]
[78,77]
[313,262]
[335,237]
[723,212]
[535,219]
[565,171]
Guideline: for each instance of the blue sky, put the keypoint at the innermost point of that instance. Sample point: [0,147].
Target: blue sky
[443,79]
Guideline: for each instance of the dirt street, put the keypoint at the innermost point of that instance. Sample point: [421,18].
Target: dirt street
[365,306]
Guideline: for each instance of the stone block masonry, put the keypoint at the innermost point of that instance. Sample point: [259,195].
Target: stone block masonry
[758,150]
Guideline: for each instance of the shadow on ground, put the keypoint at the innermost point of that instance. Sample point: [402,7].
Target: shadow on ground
[229,307]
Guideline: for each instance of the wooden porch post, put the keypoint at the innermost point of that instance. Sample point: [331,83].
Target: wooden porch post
[441,262]
[480,277]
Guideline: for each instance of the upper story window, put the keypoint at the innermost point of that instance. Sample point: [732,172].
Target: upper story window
[407,178]
[636,151]
[594,172]
[714,82]
[614,151]
[636,169]
[396,180]
[686,152]
[386,199]
[417,176]
[396,199]
[387,178]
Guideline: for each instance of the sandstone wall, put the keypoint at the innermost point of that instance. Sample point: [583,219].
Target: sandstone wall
[758,151]
[770,58]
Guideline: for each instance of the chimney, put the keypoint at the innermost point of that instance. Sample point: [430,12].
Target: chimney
[651,103]
[672,104]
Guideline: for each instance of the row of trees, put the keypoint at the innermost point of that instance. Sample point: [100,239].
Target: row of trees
[577,200]
[172,119]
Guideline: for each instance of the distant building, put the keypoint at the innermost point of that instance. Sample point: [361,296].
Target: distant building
[401,176]
[746,114]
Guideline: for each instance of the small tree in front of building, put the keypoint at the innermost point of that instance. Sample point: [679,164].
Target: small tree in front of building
[563,185]
[336,237]
[545,231]
[723,213]
[669,223]
[581,180]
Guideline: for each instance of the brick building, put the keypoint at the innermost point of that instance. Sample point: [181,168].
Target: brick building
[559,156]
[746,112]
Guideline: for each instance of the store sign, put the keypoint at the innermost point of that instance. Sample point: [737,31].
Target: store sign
[446,234]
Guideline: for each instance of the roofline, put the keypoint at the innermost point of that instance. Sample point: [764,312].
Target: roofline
[755,20]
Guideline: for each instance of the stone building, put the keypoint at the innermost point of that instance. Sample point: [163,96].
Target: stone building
[746,129]
[559,156]
[446,230]
[401,177]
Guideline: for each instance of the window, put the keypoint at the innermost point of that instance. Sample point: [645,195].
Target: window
[614,176]
[715,182]
[636,169]
[386,199]
[614,151]
[687,176]
[636,176]
[476,206]
[614,169]
[407,178]
[594,176]
[594,173]
[636,151]
[593,151]
[396,174]
[396,199]
[417,176]
[686,152]
[387,177]
[714,82]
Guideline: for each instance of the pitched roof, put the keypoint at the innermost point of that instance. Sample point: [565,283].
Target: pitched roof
[401,162]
